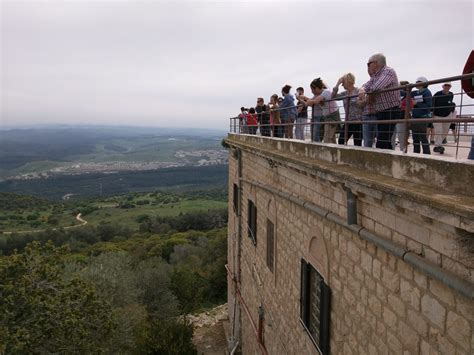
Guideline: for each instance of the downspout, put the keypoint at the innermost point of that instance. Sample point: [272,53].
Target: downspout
[234,348]
[351,208]
[239,215]
[237,277]
[258,333]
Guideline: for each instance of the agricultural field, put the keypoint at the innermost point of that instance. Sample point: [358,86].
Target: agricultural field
[42,151]
[20,213]
[132,209]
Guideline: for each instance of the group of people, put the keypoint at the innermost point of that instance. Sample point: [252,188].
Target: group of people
[368,116]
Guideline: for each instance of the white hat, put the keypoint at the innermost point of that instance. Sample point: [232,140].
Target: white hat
[447,83]
[421,79]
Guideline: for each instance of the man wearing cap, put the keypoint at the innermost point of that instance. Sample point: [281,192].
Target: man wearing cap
[422,110]
[385,104]
[443,105]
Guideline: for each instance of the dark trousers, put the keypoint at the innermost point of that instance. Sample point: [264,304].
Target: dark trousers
[418,132]
[353,130]
[278,131]
[252,129]
[265,128]
[385,130]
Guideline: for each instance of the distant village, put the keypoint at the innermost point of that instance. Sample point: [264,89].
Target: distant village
[184,158]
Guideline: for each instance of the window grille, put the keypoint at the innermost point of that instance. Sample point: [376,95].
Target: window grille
[270,245]
[315,306]
[252,221]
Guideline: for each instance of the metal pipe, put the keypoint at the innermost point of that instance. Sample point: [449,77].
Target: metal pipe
[260,324]
[450,280]
[239,215]
[234,348]
[247,312]
[435,272]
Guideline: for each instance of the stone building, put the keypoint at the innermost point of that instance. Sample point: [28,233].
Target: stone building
[338,250]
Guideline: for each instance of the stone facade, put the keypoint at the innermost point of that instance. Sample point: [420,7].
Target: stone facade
[382,301]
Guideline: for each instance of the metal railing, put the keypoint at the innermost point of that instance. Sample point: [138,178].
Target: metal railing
[406,130]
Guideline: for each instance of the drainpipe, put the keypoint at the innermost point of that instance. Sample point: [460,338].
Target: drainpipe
[234,348]
[256,330]
[236,278]
[351,208]
[260,324]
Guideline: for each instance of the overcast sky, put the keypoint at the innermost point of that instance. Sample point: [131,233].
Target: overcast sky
[195,63]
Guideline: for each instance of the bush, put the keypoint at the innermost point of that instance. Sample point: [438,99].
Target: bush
[42,313]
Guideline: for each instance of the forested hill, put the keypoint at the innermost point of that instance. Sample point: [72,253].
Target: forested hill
[119,284]
[90,185]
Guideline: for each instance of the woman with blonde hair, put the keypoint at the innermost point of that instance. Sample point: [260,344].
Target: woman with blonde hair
[352,108]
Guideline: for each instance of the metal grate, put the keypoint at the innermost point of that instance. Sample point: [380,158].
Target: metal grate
[315,306]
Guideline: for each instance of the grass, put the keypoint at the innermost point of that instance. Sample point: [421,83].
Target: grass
[128,216]
[108,210]
[65,219]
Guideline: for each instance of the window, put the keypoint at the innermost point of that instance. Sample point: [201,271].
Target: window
[270,245]
[315,306]
[252,221]
[236,199]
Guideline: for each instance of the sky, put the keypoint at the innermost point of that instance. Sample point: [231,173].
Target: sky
[195,63]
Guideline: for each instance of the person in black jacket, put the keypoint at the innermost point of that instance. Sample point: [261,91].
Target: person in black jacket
[263,114]
[443,105]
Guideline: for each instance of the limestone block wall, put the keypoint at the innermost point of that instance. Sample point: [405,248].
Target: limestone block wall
[380,302]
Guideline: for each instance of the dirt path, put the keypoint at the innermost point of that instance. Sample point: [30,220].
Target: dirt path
[78,217]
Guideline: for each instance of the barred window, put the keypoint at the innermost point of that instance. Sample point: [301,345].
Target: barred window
[252,221]
[236,199]
[270,245]
[315,306]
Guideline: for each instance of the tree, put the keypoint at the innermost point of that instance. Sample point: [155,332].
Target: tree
[168,337]
[41,312]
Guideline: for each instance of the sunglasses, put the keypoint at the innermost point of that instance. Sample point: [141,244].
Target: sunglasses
[368,64]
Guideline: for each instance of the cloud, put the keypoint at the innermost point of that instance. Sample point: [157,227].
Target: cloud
[195,63]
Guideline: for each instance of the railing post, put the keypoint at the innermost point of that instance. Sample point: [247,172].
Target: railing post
[459,128]
[407,115]
[346,125]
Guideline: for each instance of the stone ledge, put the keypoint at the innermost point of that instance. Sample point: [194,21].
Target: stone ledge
[449,194]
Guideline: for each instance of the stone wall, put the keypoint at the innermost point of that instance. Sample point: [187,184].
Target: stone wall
[380,303]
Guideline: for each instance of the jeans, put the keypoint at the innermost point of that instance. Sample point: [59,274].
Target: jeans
[369,130]
[471,152]
[400,133]
[385,130]
[300,126]
[316,129]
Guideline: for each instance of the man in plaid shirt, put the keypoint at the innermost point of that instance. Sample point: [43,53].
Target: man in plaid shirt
[385,104]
